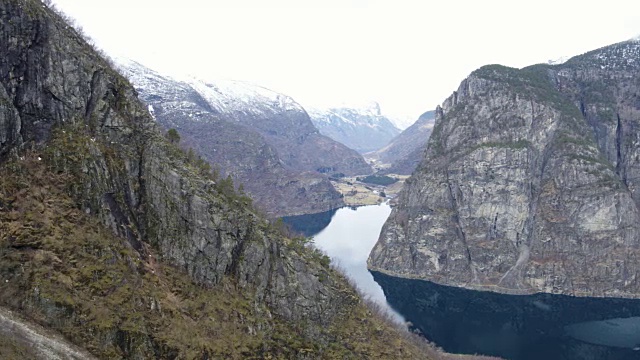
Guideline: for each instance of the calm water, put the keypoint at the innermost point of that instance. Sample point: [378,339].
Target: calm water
[516,327]
[347,239]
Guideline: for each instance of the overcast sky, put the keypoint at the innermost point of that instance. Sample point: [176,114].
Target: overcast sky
[408,55]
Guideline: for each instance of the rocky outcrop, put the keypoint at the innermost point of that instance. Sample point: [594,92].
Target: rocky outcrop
[363,130]
[118,240]
[405,151]
[528,183]
[219,130]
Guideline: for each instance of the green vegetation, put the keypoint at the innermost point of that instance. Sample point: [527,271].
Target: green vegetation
[383,180]
[15,348]
[200,167]
[564,138]
[532,82]
[63,268]
[519,144]
[60,261]
[173,136]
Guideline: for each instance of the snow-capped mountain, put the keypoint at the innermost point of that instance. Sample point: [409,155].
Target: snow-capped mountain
[239,98]
[363,129]
[264,139]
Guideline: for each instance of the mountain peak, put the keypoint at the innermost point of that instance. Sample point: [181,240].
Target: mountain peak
[361,128]
[237,95]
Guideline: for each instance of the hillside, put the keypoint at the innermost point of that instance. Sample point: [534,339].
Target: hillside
[221,130]
[529,182]
[404,152]
[118,241]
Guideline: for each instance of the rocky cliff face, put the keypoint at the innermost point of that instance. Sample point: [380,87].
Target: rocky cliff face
[404,152]
[116,239]
[529,183]
[363,130]
[223,131]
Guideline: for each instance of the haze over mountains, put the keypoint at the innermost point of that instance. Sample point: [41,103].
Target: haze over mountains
[129,247]
[362,129]
[119,241]
[404,152]
[263,139]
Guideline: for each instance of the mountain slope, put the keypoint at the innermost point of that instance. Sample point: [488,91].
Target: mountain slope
[281,121]
[529,182]
[22,339]
[363,130]
[113,237]
[235,148]
[404,152]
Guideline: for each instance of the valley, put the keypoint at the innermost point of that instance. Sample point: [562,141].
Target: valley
[359,193]
[148,213]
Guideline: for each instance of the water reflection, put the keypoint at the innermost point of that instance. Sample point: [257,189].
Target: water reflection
[348,240]
[310,224]
[541,326]
[618,332]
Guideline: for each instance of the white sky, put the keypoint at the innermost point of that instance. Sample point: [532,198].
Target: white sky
[408,55]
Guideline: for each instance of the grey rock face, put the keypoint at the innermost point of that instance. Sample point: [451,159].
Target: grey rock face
[363,130]
[218,129]
[405,151]
[528,183]
[53,81]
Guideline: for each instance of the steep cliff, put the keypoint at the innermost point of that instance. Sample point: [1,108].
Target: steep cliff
[404,152]
[529,182]
[235,146]
[114,238]
[361,129]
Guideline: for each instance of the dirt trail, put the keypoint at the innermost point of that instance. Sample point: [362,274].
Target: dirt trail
[24,338]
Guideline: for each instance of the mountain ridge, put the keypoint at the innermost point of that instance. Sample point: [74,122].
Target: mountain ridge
[525,180]
[362,129]
[118,240]
[242,132]
[403,153]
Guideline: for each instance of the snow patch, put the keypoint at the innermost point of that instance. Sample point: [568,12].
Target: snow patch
[230,96]
[225,96]
[558,61]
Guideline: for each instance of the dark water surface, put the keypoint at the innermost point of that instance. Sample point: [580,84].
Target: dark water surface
[516,327]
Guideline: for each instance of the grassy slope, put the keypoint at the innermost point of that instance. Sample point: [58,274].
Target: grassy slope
[60,267]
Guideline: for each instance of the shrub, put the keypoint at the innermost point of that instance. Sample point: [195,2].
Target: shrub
[173,136]
[378,180]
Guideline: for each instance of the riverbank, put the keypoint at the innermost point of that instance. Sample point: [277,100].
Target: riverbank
[358,193]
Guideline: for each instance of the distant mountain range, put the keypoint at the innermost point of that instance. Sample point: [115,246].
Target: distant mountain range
[115,243]
[404,152]
[263,139]
[362,129]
